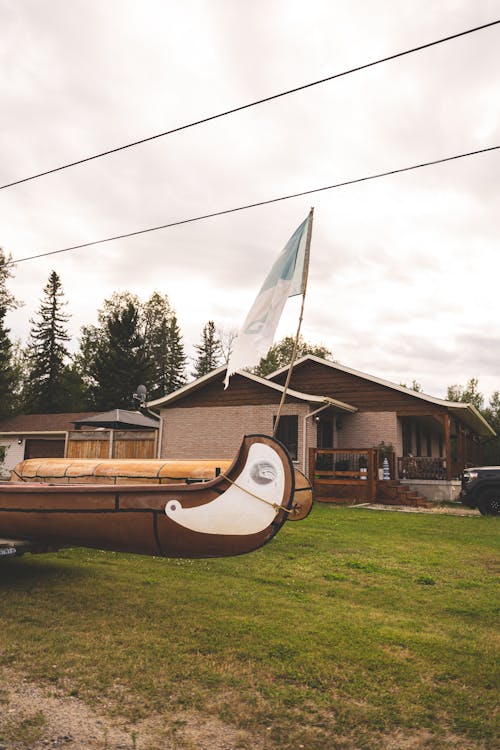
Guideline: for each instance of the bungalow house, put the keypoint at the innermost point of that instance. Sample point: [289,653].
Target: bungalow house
[338,423]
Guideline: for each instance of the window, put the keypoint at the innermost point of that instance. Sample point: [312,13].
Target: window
[324,438]
[288,433]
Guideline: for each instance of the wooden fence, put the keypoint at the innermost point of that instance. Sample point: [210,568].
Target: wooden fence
[112,444]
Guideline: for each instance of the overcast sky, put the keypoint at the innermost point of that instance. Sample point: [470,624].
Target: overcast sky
[404,276]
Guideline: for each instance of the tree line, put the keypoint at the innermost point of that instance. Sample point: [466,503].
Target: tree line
[133,342]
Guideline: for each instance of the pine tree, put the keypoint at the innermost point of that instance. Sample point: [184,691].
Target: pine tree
[45,390]
[209,351]
[164,343]
[8,371]
[118,359]
[175,369]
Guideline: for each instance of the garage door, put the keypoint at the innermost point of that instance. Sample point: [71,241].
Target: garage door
[44,449]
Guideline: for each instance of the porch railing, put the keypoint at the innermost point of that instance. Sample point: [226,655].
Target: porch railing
[421,467]
[340,473]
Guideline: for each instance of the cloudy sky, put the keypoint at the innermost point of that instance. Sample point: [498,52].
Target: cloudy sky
[404,274]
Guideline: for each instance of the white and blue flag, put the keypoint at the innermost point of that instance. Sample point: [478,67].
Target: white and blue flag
[287,278]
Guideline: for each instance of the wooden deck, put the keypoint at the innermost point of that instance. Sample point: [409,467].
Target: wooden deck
[343,476]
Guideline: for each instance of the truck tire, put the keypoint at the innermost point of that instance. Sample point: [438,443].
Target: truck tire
[489,502]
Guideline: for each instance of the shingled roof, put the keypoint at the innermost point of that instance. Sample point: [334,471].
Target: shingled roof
[23,423]
[118,418]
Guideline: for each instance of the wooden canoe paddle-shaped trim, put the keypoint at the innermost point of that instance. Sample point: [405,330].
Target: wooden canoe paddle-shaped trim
[233,514]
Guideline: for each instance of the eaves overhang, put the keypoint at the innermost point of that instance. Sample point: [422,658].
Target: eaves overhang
[33,433]
[473,418]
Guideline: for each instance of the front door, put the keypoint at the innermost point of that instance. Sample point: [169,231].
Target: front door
[324,435]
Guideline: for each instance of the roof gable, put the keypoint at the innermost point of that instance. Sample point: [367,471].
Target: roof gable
[245,388]
[368,392]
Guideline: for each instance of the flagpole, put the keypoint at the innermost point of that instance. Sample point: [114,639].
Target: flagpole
[301,315]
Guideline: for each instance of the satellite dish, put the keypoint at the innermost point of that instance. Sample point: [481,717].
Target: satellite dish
[141,393]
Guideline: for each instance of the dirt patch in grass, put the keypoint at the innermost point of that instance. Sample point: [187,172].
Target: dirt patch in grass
[425,740]
[36,718]
[448,510]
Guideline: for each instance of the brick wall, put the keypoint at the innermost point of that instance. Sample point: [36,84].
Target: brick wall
[367,430]
[217,431]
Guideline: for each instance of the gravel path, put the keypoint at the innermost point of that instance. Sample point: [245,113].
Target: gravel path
[459,510]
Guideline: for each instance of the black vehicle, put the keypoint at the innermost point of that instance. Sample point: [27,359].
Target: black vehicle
[481,489]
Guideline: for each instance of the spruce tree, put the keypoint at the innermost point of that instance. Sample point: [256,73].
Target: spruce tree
[119,359]
[164,343]
[47,355]
[209,351]
[174,371]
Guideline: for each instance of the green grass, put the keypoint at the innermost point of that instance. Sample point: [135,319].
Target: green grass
[348,627]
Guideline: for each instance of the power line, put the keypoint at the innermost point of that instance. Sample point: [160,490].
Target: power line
[254,205]
[252,104]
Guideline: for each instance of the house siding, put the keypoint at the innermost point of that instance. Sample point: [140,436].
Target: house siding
[216,431]
[368,429]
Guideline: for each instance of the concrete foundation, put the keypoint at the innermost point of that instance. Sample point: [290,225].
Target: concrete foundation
[435,490]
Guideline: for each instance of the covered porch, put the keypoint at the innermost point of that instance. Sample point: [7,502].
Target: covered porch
[358,476]
[425,455]
[439,446]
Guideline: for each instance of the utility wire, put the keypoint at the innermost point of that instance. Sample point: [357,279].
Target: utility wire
[254,205]
[252,104]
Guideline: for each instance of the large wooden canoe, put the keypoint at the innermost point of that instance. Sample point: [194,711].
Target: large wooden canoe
[236,512]
[143,471]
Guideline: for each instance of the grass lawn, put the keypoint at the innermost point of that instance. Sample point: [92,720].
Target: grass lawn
[349,630]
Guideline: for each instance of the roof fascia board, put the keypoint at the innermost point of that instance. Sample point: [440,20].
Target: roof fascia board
[34,432]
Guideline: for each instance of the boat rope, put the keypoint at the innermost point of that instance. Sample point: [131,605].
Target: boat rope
[276,507]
